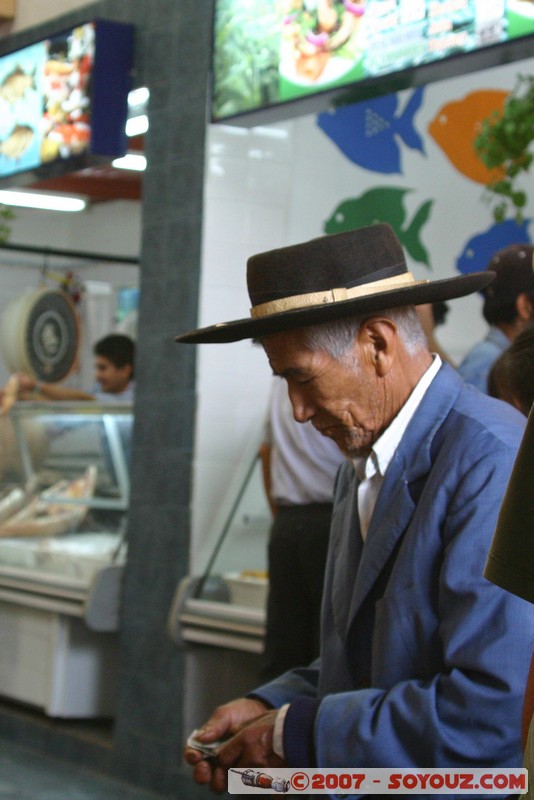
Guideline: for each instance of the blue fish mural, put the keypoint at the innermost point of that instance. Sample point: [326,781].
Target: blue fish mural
[481,247]
[384,205]
[367,132]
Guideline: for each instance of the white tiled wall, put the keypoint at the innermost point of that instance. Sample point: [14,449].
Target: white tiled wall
[275,185]
[248,188]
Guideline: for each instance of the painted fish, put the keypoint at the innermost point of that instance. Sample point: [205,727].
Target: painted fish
[384,205]
[456,125]
[367,132]
[480,248]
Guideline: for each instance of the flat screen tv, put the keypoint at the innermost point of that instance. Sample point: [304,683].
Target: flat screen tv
[267,54]
[64,101]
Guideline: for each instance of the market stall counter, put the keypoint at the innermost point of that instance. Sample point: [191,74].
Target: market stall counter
[225,605]
[64,493]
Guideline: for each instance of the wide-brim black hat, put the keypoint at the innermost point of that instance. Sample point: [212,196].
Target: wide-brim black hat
[362,271]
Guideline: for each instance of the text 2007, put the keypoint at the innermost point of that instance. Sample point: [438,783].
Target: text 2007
[334,781]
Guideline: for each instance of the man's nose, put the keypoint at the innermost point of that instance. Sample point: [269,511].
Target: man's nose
[302,408]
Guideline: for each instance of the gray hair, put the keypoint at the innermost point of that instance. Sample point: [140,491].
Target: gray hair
[336,337]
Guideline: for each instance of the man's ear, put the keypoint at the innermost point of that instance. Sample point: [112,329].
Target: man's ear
[127,369]
[378,338]
[523,305]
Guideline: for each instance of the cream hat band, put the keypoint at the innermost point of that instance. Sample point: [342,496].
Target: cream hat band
[333,295]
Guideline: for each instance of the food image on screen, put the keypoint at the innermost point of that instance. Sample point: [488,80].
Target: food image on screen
[320,38]
[65,123]
[269,52]
[45,101]
[64,100]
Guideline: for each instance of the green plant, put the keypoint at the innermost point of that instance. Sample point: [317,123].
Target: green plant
[503,145]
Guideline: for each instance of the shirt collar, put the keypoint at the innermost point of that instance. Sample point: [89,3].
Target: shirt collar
[384,448]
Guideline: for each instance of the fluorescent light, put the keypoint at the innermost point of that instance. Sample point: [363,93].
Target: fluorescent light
[233,130]
[42,200]
[273,133]
[138,97]
[130,161]
[135,126]
[137,122]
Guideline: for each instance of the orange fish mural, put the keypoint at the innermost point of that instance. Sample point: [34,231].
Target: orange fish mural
[456,125]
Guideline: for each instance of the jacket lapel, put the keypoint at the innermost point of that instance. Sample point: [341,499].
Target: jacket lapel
[402,483]
[346,547]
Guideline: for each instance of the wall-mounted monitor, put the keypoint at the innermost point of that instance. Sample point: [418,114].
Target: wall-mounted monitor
[268,53]
[64,101]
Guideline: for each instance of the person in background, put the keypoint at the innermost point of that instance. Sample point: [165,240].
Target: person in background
[299,467]
[423,663]
[114,358]
[511,558]
[511,377]
[508,306]
[510,565]
[431,316]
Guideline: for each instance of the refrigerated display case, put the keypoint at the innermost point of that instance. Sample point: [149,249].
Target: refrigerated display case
[64,493]
[225,605]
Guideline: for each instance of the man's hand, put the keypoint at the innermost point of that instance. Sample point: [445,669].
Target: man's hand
[9,394]
[18,387]
[26,383]
[250,726]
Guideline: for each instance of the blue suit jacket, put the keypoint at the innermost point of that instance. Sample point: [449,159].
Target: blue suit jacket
[432,673]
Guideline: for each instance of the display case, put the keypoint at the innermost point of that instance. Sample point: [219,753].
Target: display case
[64,494]
[225,605]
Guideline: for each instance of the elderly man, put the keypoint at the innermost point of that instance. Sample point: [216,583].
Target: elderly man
[423,662]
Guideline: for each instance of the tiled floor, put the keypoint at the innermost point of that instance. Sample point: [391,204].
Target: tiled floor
[27,775]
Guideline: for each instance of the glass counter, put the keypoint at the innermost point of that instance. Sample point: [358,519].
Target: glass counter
[64,495]
[225,605]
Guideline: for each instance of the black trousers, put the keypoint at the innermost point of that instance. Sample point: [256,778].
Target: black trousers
[298,546]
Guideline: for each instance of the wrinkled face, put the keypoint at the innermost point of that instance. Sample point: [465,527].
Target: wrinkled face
[112,379]
[344,400]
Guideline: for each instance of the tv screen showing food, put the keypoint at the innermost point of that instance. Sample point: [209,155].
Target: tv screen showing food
[64,100]
[269,52]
